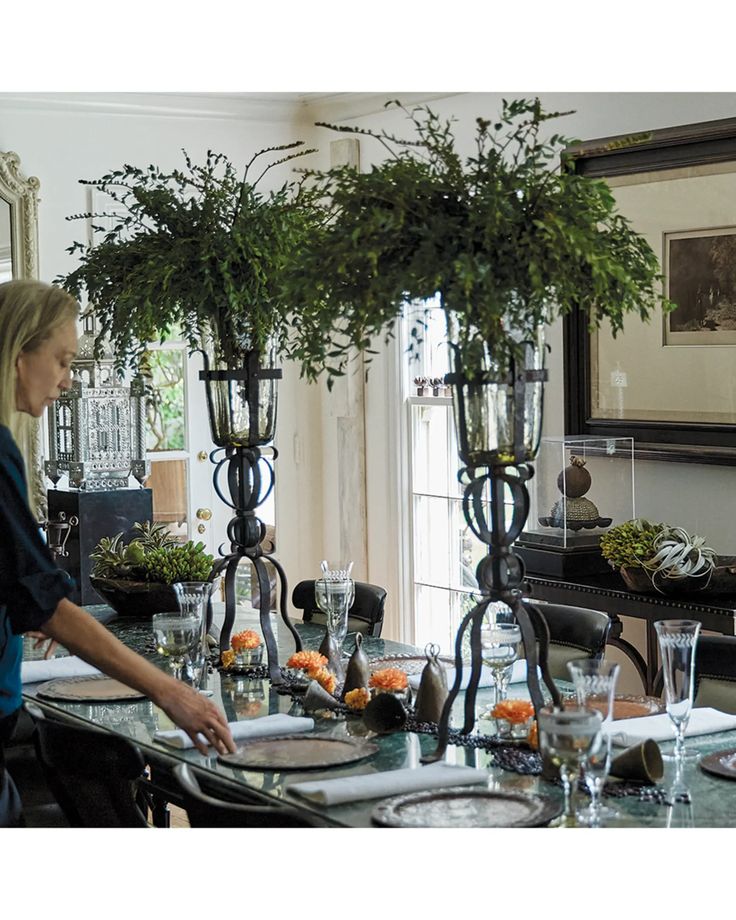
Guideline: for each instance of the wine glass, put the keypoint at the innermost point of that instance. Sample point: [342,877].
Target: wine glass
[595,687]
[336,571]
[567,737]
[500,638]
[335,598]
[192,597]
[177,634]
[677,641]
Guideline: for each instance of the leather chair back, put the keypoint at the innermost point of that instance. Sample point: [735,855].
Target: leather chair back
[715,672]
[575,632]
[365,616]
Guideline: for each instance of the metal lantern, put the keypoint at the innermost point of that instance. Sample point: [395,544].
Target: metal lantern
[97,428]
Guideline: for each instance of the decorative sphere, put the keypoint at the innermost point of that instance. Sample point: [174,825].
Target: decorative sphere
[574,480]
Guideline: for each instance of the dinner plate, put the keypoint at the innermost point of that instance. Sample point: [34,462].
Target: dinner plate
[463,806]
[720,763]
[97,689]
[298,752]
[626,706]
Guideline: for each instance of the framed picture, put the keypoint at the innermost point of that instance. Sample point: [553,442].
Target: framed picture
[669,383]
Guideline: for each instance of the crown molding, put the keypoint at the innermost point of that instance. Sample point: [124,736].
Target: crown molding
[263,107]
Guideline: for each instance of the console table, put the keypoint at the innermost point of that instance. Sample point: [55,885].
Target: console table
[608,593]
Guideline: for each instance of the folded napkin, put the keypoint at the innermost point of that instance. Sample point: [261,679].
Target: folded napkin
[518,676]
[703,721]
[33,671]
[394,782]
[246,730]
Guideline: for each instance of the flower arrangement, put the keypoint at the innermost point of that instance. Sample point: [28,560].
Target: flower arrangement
[227,659]
[514,711]
[248,639]
[326,679]
[390,679]
[357,699]
[306,661]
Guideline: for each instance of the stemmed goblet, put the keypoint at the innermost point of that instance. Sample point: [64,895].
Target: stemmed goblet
[677,642]
[335,598]
[192,597]
[567,737]
[500,638]
[595,688]
[177,635]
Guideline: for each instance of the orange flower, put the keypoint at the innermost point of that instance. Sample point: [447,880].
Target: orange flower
[326,679]
[514,711]
[358,698]
[306,660]
[248,639]
[228,658]
[388,679]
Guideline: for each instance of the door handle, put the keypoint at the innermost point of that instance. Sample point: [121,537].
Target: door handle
[204,514]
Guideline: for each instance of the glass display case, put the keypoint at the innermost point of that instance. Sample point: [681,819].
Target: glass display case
[582,486]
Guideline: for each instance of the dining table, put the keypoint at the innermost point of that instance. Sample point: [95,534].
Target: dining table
[700,799]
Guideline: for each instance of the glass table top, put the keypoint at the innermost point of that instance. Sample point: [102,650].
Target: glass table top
[713,800]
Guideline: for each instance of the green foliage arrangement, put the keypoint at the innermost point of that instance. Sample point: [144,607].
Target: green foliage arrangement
[202,249]
[663,550]
[153,556]
[506,237]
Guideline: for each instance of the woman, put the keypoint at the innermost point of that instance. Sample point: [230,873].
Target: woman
[38,342]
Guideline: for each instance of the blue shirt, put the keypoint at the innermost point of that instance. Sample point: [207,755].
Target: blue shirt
[31,585]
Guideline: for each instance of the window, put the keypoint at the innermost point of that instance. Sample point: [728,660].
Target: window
[443,552]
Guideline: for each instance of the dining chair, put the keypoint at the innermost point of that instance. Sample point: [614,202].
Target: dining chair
[715,672]
[574,632]
[205,810]
[93,774]
[366,614]
[40,808]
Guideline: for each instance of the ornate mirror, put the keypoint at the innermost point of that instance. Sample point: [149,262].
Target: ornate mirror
[19,259]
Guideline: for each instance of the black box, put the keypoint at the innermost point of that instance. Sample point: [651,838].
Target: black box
[101,514]
[547,555]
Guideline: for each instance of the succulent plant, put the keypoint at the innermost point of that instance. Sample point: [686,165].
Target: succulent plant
[154,555]
[630,543]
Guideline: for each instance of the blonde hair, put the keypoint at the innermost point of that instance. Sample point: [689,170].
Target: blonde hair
[30,312]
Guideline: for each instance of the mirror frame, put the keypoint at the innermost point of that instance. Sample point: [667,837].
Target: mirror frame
[21,193]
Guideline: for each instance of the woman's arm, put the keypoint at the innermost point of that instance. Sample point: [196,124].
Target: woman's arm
[78,631]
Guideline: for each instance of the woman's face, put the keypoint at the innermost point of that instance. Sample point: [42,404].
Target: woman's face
[45,372]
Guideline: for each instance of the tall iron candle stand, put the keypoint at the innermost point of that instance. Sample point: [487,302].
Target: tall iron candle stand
[246,396]
[500,574]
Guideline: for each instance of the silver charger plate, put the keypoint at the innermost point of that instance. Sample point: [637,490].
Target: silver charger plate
[96,689]
[463,806]
[297,752]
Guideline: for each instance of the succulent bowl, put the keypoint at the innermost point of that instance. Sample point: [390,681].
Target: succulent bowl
[136,598]
[722,580]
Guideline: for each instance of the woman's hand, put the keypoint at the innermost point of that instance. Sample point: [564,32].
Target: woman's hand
[197,716]
[41,637]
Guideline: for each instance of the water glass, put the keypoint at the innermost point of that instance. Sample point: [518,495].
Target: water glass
[335,598]
[336,571]
[500,642]
[177,635]
[193,597]
[595,688]
[677,642]
[567,738]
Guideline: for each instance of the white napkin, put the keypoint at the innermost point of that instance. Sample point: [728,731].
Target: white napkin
[33,671]
[394,782]
[518,676]
[265,727]
[703,721]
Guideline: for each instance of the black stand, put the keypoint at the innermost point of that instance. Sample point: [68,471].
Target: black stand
[500,577]
[248,490]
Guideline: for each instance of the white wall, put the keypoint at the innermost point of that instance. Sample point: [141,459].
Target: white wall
[61,139]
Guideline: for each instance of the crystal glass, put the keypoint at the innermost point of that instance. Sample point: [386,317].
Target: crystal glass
[567,738]
[336,571]
[595,688]
[335,598]
[177,635]
[677,643]
[500,639]
[192,597]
